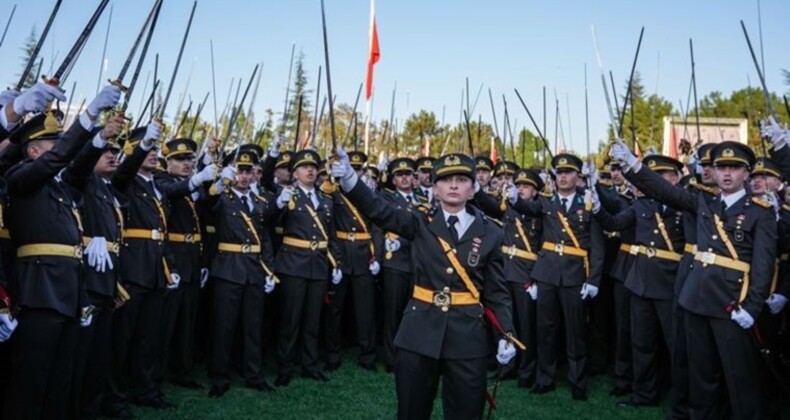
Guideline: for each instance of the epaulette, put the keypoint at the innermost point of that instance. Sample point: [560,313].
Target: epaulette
[762,202]
[325,195]
[260,197]
[495,193]
[786,207]
[705,188]
[425,208]
[497,222]
[546,194]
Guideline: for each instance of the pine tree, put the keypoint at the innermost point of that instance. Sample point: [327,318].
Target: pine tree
[298,90]
[27,54]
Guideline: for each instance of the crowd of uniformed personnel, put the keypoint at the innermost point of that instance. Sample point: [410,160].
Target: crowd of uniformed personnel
[128,258]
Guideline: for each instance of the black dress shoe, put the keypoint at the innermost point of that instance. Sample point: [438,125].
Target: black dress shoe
[579,394]
[332,366]
[368,366]
[260,385]
[619,391]
[542,389]
[636,404]
[157,403]
[283,379]
[315,375]
[121,413]
[525,382]
[218,390]
[187,383]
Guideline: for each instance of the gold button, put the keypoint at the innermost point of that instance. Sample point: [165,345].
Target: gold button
[450,270]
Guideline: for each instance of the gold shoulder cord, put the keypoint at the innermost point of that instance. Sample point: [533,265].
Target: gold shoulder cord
[520,228]
[662,227]
[575,241]
[323,232]
[734,253]
[356,214]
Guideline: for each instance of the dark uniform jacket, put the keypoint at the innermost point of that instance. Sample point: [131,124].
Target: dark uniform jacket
[782,285]
[566,270]
[650,276]
[615,200]
[234,228]
[183,220]
[400,260]
[144,262]
[460,332]
[307,263]
[43,210]
[517,269]
[749,225]
[357,253]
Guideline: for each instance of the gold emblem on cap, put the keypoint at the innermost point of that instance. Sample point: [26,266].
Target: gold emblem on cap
[563,161]
[403,164]
[244,158]
[652,163]
[286,158]
[182,147]
[727,153]
[759,165]
[309,157]
[356,158]
[452,160]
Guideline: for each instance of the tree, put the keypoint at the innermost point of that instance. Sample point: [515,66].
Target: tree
[27,54]
[298,90]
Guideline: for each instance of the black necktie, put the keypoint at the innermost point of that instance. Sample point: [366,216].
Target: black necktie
[451,221]
[564,202]
[310,198]
[153,189]
[409,198]
[245,201]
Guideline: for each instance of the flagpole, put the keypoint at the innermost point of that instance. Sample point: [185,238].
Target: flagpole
[369,98]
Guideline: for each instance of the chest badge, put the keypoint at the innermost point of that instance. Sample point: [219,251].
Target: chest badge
[474,255]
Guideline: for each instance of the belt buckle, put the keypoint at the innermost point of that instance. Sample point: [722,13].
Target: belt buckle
[559,248]
[189,238]
[352,236]
[313,245]
[246,248]
[77,252]
[633,250]
[115,248]
[442,299]
[708,258]
[511,251]
[650,252]
[156,235]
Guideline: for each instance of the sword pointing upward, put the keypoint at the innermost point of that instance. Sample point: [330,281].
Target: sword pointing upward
[34,54]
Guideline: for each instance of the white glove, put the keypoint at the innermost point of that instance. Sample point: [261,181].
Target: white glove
[152,133]
[268,285]
[341,167]
[596,200]
[532,290]
[512,194]
[337,276]
[374,268]
[391,245]
[743,318]
[776,303]
[771,130]
[37,98]
[592,177]
[175,280]
[621,153]
[228,173]
[98,255]
[382,166]
[7,326]
[107,98]
[87,316]
[207,174]
[285,197]
[774,201]
[274,148]
[589,291]
[505,352]
[203,277]
[8,95]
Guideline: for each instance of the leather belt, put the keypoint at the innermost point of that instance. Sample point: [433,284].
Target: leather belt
[626,248]
[113,247]
[690,248]
[563,249]
[444,298]
[239,248]
[49,250]
[150,234]
[301,243]
[279,230]
[5,233]
[353,236]
[211,229]
[651,252]
[709,258]
[188,238]
[511,251]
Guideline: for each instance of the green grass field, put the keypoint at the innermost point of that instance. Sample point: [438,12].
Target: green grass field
[354,393]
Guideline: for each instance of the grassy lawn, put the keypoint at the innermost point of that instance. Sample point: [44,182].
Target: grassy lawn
[354,393]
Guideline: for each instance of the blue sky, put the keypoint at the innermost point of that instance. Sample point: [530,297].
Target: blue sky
[429,47]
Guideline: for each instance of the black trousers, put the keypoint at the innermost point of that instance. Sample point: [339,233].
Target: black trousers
[524,317]
[44,346]
[396,289]
[651,320]
[601,324]
[92,368]
[623,359]
[135,343]
[232,301]
[178,340]
[363,291]
[555,306]
[5,370]
[417,382]
[678,397]
[723,359]
[300,322]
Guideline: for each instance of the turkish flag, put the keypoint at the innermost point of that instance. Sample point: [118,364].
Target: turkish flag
[374,53]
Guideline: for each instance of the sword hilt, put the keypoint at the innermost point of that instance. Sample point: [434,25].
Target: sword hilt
[119,84]
[52,82]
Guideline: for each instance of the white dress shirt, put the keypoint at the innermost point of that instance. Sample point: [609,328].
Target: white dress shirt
[464,221]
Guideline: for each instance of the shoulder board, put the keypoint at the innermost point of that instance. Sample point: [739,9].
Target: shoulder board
[389,190]
[546,194]
[705,188]
[260,197]
[761,202]
[495,193]
[425,208]
[497,222]
[786,207]
[325,195]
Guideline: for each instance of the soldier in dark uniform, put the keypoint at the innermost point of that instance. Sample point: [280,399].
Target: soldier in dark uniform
[728,284]
[183,190]
[424,170]
[522,240]
[240,272]
[568,272]
[657,250]
[483,168]
[504,171]
[102,224]
[45,223]
[308,257]
[395,255]
[354,234]
[147,272]
[458,265]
